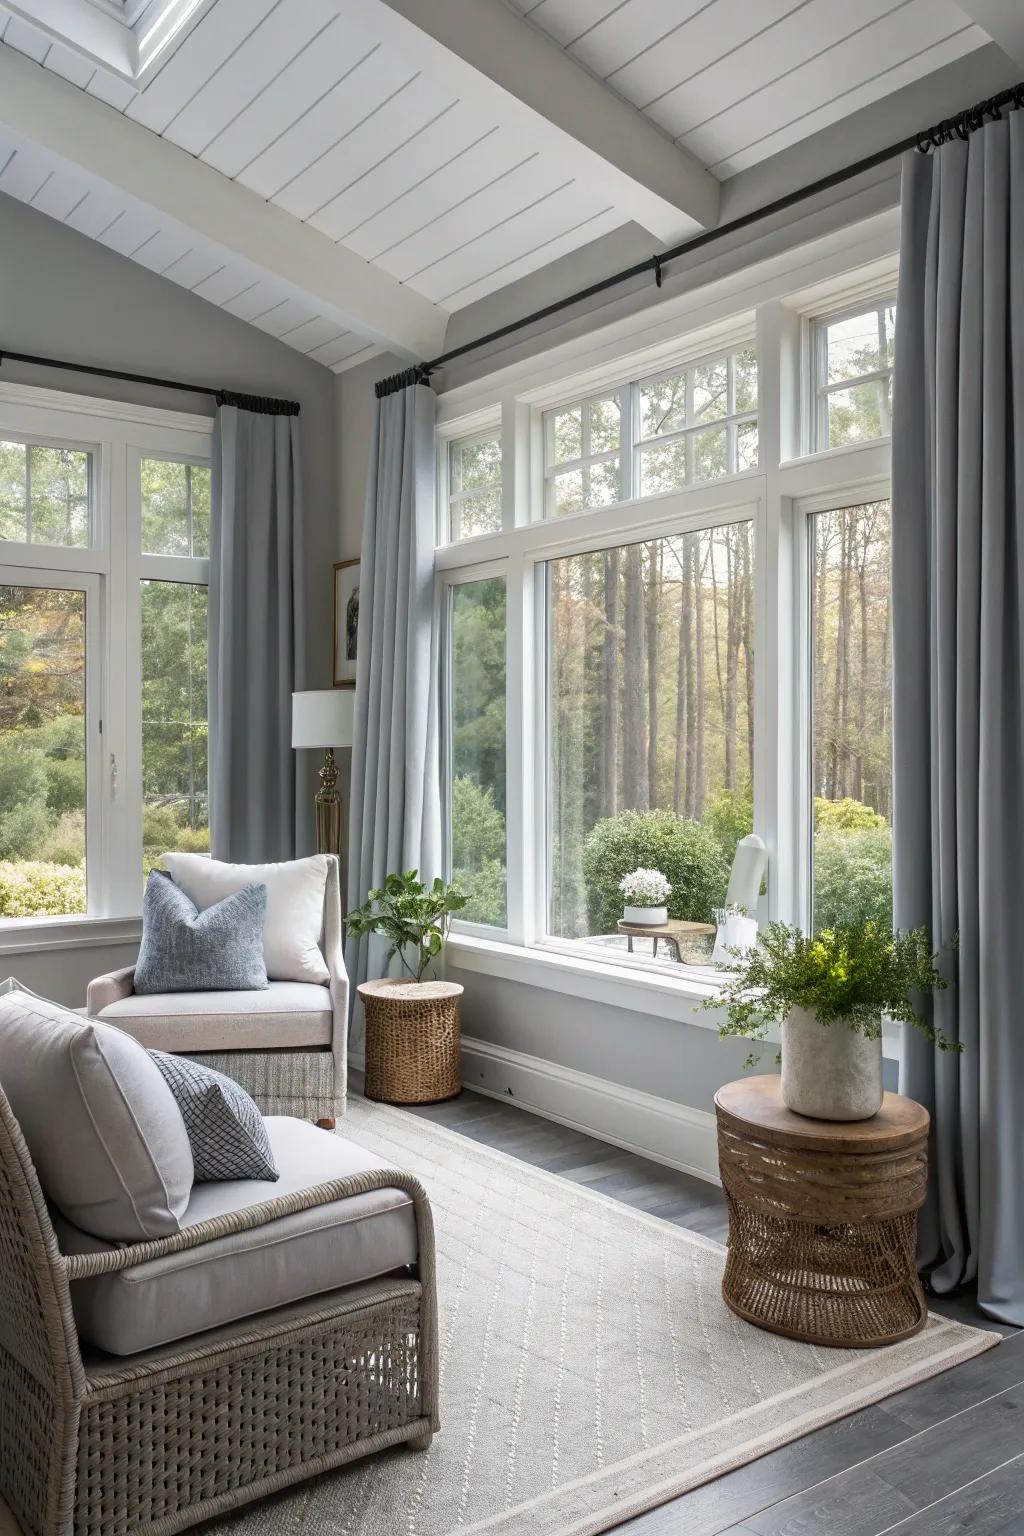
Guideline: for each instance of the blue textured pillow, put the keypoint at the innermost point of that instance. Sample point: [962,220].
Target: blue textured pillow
[185,950]
[225,1129]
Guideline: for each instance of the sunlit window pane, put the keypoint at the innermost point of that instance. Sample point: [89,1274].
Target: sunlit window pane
[651,727]
[474,486]
[861,412]
[175,812]
[663,467]
[175,508]
[852,715]
[860,344]
[478,856]
[42,751]
[45,494]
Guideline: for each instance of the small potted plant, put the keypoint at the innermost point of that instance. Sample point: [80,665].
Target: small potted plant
[412,1025]
[829,992]
[646,892]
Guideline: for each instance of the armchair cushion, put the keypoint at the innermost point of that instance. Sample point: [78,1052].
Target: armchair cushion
[106,1137]
[291,1014]
[299,1255]
[185,950]
[225,1129]
[295,906]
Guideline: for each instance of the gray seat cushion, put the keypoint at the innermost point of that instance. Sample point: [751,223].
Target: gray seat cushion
[289,1014]
[103,1129]
[185,950]
[233,1277]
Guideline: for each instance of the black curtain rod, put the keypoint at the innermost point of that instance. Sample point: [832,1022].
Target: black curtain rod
[263,405]
[959,127]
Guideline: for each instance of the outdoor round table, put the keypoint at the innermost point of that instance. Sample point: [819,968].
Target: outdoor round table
[822,1217]
[671,932]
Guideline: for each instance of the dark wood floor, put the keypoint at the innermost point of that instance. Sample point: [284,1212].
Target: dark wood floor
[943,1457]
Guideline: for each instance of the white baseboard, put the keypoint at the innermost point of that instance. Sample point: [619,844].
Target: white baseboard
[653,1127]
[657,1128]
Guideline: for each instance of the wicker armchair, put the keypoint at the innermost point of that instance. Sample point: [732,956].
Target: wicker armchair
[156,1443]
[287,1046]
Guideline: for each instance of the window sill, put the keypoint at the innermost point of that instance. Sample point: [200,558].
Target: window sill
[598,981]
[605,983]
[31,935]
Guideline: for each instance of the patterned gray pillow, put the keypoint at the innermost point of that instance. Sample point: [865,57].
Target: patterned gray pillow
[185,950]
[225,1129]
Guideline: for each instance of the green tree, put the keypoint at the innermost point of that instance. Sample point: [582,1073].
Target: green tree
[684,851]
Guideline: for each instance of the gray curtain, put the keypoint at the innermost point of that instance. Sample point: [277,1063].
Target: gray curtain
[958,576]
[255,570]
[395,794]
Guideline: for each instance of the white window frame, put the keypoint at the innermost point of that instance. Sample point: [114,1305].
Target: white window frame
[791,481]
[819,388]
[119,436]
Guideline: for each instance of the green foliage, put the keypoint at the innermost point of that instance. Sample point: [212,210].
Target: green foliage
[22,829]
[192,840]
[478,825]
[851,974]
[160,827]
[410,915]
[846,815]
[64,842]
[853,877]
[34,889]
[729,816]
[484,890]
[22,771]
[685,852]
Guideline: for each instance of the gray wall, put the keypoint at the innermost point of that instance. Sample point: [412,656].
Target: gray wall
[65,296]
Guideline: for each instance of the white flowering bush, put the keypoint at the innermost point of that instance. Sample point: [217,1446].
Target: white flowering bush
[645,888]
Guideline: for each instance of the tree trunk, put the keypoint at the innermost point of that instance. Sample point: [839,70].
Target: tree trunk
[634,742]
[654,571]
[610,688]
[684,684]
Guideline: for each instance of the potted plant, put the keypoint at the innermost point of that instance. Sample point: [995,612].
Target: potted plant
[412,1025]
[829,991]
[646,892]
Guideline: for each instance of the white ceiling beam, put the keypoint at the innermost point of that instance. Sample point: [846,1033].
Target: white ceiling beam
[490,55]
[41,108]
[1003,20]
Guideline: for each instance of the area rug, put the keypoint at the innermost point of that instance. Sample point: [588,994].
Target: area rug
[590,1369]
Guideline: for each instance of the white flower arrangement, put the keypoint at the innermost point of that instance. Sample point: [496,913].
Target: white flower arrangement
[645,888]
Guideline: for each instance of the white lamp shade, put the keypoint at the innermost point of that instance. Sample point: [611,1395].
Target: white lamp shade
[323,717]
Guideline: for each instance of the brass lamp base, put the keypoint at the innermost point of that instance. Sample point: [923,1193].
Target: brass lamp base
[328,808]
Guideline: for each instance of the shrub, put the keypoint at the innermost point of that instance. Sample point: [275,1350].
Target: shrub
[685,852]
[64,843]
[728,816]
[845,815]
[22,829]
[159,827]
[65,784]
[484,890]
[853,877]
[36,890]
[478,826]
[191,840]
[22,773]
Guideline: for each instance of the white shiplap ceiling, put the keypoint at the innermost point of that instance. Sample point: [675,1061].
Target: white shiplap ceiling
[434,180]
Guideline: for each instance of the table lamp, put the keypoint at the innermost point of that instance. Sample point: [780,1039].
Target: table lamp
[325,717]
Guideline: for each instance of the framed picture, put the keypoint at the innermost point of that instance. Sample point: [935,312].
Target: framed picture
[346,622]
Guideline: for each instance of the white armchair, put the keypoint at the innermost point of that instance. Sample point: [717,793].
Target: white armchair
[285,1045]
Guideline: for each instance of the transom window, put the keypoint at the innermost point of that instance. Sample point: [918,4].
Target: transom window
[852,367]
[46,494]
[474,486]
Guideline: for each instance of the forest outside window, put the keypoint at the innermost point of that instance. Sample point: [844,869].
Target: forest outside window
[474,486]
[476,771]
[45,494]
[650,711]
[851,736]
[852,367]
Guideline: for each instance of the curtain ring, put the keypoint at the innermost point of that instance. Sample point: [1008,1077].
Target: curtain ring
[659,276]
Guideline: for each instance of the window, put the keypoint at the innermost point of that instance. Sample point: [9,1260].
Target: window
[689,427]
[42,750]
[650,683]
[851,744]
[45,494]
[477,768]
[105,518]
[853,355]
[474,486]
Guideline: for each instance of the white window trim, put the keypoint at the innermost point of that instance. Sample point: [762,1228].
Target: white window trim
[120,435]
[788,485]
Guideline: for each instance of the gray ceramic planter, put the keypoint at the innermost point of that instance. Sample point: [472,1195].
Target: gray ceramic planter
[829,1071]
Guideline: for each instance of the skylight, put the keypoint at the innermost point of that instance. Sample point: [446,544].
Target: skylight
[126,37]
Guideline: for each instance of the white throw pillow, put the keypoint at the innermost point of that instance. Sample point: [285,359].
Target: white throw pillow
[295,906]
[103,1128]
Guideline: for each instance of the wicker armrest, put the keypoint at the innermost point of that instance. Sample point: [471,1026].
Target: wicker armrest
[83,1266]
[108,989]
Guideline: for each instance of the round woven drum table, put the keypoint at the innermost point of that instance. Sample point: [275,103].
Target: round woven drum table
[412,1041]
[822,1217]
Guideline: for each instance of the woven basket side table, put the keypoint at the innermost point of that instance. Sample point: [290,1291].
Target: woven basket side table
[822,1217]
[412,1041]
